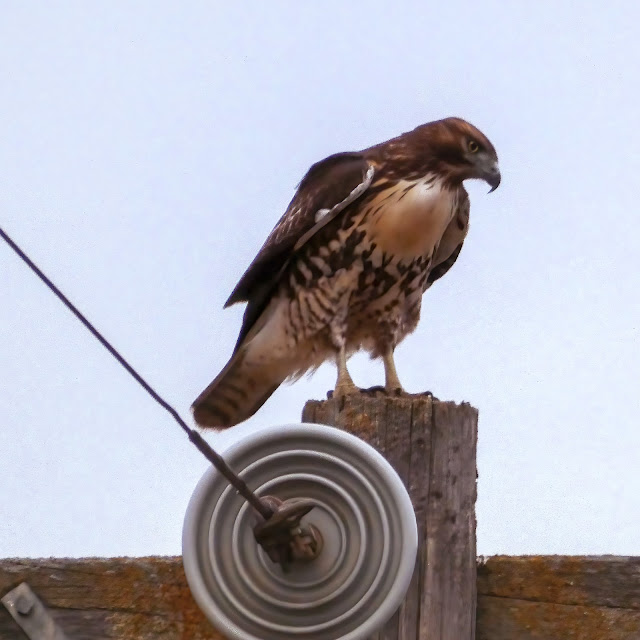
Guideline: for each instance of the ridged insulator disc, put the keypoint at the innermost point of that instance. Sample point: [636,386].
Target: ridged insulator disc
[367,524]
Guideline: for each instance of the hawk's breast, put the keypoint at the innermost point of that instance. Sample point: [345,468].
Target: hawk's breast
[408,219]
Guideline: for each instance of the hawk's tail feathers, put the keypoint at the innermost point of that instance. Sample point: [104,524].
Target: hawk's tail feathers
[237,393]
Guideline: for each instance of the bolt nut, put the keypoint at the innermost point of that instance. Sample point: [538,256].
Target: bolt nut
[24,605]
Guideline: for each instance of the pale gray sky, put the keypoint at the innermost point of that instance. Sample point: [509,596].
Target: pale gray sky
[147,149]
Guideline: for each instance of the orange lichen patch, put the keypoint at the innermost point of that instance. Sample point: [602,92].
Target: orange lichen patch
[158,586]
[136,598]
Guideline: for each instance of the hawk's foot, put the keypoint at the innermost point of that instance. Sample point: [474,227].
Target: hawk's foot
[379,390]
[424,394]
[343,389]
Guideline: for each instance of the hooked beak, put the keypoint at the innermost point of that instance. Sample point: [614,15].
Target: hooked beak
[492,176]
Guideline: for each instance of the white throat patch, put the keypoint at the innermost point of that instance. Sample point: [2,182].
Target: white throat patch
[412,216]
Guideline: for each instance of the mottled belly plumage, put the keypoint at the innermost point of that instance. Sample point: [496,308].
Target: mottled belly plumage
[343,283]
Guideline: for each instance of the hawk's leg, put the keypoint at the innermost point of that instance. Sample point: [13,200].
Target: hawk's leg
[344,384]
[391,380]
[337,330]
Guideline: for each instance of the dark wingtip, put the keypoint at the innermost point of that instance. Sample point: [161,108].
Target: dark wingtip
[232,299]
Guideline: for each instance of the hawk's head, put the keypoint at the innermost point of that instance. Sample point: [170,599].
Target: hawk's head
[459,151]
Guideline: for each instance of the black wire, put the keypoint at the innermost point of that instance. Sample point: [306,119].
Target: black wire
[202,445]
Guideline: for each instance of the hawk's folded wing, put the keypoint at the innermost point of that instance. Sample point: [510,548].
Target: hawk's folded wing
[450,243]
[325,191]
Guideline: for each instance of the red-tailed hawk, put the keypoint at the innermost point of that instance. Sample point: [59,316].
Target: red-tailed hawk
[365,235]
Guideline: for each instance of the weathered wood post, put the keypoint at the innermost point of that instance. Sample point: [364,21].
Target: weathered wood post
[432,446]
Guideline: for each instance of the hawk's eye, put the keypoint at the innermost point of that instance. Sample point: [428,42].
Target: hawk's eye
[473,146]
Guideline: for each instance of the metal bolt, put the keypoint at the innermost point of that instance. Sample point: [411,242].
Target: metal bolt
[306,544]
[283,537]
[24,605]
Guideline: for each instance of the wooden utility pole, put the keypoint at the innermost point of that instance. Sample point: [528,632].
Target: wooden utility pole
[432,446]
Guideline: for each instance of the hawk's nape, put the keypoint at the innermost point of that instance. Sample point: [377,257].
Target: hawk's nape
[346,266]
